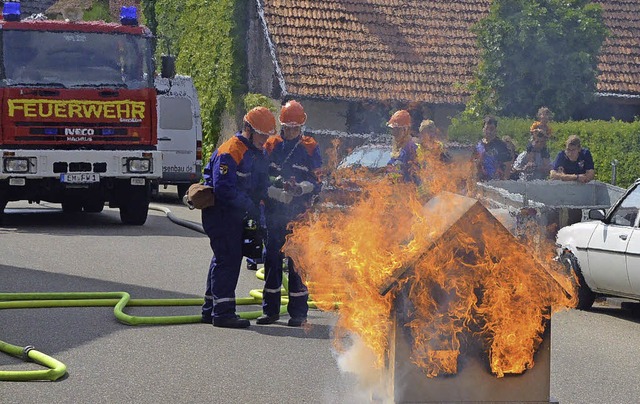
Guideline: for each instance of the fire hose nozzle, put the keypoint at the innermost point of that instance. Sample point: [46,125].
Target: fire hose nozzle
[186,201]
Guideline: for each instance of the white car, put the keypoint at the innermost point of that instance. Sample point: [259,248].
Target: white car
[604,252]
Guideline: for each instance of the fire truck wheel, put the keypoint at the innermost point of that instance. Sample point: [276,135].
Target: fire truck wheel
[585,296]
[93,206]
[72,206]
[134,210]
[3,204]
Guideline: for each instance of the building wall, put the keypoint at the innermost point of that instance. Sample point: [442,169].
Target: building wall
[261,76]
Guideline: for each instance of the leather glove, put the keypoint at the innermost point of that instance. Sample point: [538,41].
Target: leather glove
[298,188]
[280,195]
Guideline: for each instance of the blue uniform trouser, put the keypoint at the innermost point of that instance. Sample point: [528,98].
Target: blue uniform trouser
[298,293]
[225,237]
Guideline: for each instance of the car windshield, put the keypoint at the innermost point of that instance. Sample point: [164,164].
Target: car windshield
[626,213]
[75,59]
[370,156]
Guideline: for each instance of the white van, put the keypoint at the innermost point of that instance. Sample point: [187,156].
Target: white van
[179,132]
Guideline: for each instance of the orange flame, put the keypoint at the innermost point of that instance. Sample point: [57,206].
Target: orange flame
[467,277]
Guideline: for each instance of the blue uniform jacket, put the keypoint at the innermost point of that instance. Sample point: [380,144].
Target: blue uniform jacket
[237,171]
[298,158]
[405,161]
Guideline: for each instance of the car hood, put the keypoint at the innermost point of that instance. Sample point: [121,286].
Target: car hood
[577,234]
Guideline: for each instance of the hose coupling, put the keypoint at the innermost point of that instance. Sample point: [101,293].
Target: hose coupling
[25,352]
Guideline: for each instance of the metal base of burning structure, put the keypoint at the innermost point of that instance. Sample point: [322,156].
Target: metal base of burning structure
[458,366]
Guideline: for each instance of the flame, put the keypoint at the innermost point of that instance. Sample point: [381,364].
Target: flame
[464,276]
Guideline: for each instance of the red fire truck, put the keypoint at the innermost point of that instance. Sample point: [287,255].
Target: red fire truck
[78,114]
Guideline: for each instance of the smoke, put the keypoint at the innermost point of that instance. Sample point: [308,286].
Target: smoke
[374,384]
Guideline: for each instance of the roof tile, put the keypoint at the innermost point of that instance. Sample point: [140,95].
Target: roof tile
[413,50]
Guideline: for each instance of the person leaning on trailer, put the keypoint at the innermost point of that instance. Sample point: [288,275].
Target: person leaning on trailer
[574,163]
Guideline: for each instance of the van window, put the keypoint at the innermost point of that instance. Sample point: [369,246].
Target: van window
[175,113]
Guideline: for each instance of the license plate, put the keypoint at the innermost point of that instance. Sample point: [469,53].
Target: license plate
[79,178]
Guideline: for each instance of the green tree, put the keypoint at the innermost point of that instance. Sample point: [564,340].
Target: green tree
[207,38]
[535,53]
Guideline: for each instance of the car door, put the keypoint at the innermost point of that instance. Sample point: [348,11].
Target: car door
[607,248]
[633,247]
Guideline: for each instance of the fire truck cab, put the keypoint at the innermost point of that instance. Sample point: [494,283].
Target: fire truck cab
[78,114]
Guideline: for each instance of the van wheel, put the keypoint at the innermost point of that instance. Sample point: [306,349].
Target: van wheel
[182,190]
[585,296]
[134,210]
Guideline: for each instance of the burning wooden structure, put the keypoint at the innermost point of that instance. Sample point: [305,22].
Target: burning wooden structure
[471,342]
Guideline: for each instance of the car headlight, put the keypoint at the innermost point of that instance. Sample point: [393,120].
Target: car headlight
[18,164]
[135,165]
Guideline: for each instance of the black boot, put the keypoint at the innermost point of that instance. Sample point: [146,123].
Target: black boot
[297,321]
[206,318]
[266,319]
[252,266]
[230,322]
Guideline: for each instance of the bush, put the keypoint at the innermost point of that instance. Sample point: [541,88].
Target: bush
[207,38]
[253,100]
[607,140]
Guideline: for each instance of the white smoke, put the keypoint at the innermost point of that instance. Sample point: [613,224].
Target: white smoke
[374,385]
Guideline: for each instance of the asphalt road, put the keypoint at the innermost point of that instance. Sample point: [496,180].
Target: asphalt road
[595,355]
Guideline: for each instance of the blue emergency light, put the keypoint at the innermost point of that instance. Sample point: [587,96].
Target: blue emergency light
[128,15]
[50,131]
[108,131]
[11,11]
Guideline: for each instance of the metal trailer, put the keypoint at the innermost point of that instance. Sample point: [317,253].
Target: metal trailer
[550,203]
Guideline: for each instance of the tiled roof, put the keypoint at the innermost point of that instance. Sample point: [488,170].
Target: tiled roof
[620,56]
[412,50]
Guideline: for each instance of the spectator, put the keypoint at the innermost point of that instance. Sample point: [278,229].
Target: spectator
[492,155]
[544,116]
[511,146]
[534,163]
[574,163]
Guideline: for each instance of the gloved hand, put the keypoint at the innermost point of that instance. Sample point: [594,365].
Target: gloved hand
[298,188]
[306,187]
[280,195]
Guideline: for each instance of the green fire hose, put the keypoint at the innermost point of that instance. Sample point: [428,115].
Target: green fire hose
[56,369]
[119,300]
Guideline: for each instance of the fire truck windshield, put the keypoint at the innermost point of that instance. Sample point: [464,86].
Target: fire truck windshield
[75,59]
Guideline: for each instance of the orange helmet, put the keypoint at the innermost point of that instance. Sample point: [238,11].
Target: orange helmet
[292,114]
[261,120]
[400,119]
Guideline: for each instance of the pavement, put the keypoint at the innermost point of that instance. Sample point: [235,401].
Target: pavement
[109,362]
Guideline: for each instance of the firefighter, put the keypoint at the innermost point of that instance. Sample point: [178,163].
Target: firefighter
[403,152]
[237,171]
[294,160]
